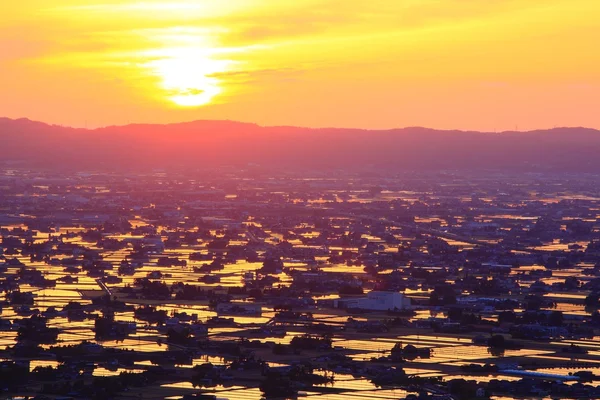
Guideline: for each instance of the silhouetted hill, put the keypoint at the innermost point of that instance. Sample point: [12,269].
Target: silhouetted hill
[210,143]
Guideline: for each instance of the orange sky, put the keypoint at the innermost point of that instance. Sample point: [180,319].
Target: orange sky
[467,64]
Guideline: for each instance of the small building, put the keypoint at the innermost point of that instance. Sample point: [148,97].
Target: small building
[238,308]
[376,301]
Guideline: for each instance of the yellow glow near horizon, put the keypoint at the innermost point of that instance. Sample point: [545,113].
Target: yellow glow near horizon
[188,64]
[477,64]
[184,65]
[185,76]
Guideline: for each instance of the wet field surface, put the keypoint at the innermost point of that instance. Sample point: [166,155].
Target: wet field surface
[340,231]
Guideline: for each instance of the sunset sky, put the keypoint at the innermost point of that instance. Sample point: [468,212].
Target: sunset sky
[465,64]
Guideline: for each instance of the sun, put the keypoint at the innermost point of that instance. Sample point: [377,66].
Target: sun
[188,77]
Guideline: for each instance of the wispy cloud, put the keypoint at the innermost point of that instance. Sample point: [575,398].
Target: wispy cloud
[134,6]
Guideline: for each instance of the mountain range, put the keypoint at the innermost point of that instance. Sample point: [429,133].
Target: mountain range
[213,143]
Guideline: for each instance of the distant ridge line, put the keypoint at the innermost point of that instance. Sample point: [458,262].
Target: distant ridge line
[210,143]
[285,127]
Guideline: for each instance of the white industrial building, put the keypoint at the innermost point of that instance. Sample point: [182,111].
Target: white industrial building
[375,300]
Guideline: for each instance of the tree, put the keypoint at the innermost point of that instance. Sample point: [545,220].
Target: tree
[507,317]
[350,289]
[592,300]
[442,295]
[555,318]
[572,282]
[497,341]
[534,302]
[275,386]
[455,313]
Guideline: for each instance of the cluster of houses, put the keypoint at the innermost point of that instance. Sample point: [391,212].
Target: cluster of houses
[221,268]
